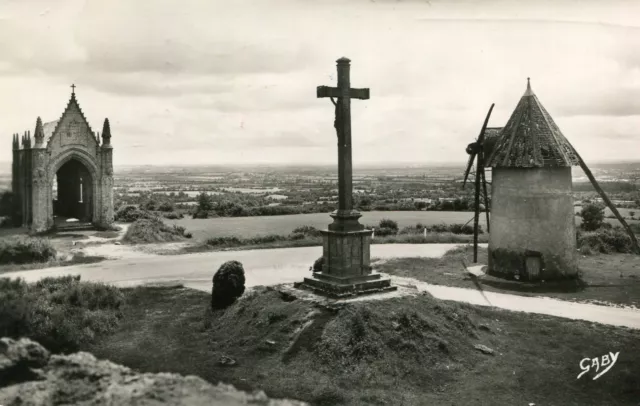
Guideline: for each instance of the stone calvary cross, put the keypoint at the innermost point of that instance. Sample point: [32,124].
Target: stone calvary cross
[345,215]
[346,269]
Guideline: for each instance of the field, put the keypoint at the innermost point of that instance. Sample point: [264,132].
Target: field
[261,225]
[248,227]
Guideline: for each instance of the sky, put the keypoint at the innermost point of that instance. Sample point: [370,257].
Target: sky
[234,81]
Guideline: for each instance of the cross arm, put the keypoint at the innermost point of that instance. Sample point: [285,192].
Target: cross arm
[326,91]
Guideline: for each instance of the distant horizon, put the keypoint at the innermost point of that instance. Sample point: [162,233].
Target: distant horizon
[384,164]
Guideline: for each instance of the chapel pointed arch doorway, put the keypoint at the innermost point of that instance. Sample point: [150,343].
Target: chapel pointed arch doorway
[73,193]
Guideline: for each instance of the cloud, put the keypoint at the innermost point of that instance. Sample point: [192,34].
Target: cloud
[224,81]
[616,102]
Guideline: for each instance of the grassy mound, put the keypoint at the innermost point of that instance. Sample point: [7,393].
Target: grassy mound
[23,250]
[367,341]
[153,230]
[60,313]
[404,351]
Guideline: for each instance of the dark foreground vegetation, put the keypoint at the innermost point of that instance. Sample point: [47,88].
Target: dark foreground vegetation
[403,351]
[60,313]
[23,250]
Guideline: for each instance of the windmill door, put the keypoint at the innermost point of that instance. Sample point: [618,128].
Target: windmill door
[532,266]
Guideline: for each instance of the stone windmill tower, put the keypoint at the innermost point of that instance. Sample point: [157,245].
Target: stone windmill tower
[533,232]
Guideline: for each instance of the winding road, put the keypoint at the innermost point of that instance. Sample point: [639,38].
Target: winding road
[288,265]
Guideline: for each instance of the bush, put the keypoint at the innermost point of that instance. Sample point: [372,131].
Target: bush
[60,313]
[150,205]
[228,284]
[224,241]
[172,215]
[205,203]
[153,230]
[265,239]
[317,265]
[25,250]
[6,203]
[390,224]
[200,214]
[129,214]
[464,229]
[604,240]
[592,217]
[6,222]
[297,236]
[307,231]
[385,231]
[165,206]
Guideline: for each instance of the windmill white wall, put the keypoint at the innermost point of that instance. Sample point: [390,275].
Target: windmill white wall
[532,216]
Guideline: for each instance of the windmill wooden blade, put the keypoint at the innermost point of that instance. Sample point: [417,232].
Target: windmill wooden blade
[466,172]
[484,126]
[476,217]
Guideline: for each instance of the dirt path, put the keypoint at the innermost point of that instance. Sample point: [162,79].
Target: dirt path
[288,265]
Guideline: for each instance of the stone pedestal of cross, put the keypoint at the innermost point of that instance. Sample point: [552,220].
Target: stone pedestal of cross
[346,270]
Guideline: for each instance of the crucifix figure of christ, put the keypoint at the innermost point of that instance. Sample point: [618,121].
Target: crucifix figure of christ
[343,94]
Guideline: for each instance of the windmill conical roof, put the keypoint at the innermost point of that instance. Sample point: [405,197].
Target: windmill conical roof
[531,139]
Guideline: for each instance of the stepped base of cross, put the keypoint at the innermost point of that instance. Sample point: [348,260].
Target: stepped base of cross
[346,270]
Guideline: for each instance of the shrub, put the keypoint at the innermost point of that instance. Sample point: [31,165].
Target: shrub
[385,231]
[204,203]
[129,214]
[297,236]
[24,250]
[60,313]
[165,206]
[153,230]
[592,217]
[223,241]
[265,239]
[6,222]
[307,231]
[172,215]
[200,214]
[228,284]
[390,224]
[604,240]
[317,265]
[464,229]
[6,203]
[150,205]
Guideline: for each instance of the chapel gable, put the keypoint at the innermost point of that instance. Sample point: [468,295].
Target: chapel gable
[72,131]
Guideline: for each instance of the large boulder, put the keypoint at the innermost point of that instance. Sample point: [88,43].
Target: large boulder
[30,376]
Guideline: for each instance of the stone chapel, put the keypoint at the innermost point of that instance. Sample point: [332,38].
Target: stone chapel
[66,174]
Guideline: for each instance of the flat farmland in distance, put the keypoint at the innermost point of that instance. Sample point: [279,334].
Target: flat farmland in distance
[262,225]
